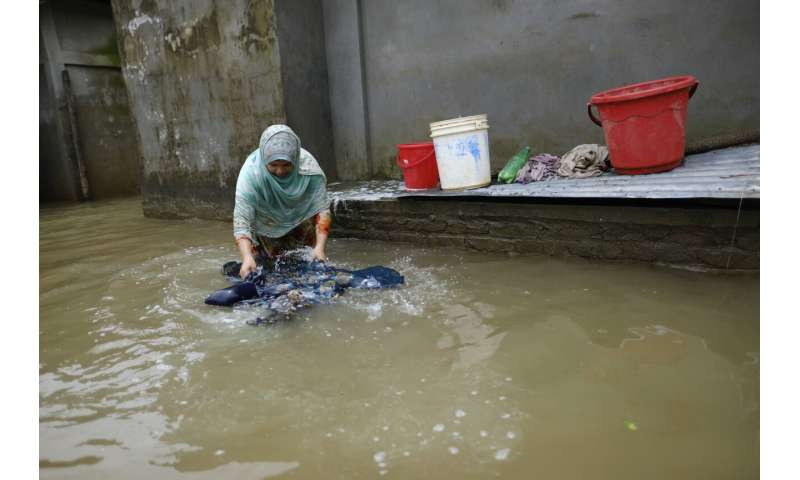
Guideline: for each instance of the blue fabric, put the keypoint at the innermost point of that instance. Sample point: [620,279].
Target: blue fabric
[289,283]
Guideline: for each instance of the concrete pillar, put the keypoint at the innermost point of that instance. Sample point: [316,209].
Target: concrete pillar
[205,78]
[301,41]
[348,94]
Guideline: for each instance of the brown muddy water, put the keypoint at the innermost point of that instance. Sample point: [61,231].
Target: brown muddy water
[482,366]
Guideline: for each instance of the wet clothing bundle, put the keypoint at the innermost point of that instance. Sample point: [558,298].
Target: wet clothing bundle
[584,161]
[540,167]
[291,282]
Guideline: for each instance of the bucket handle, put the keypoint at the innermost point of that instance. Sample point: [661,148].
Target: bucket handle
[694,88]
[408,164]
[591,114]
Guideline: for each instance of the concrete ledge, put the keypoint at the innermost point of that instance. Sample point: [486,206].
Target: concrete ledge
[678,233]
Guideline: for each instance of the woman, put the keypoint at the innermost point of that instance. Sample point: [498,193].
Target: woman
[281,200]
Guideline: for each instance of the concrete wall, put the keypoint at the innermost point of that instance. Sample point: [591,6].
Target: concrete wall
[673,233]
[301,41]
[107,136]
[531,66]
[90,145]
[347,94]
[57,178]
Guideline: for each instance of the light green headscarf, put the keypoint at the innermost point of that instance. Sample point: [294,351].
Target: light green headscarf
[272,206]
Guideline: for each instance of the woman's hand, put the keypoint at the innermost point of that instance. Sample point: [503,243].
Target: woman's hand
[248,265]
[319,254]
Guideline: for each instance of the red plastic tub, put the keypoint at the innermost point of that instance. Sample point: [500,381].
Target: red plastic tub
[418,162]
[645,123]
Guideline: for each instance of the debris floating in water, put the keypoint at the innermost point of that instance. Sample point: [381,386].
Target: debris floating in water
[219,452]
[453,450]
[631,426]
[438,427]
[484,433]
[502,454]
[460,413]
[379,457]
[511,434]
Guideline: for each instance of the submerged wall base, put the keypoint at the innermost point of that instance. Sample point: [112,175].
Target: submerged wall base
[686,234]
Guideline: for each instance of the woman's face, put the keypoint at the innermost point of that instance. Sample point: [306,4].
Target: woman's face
[280,168]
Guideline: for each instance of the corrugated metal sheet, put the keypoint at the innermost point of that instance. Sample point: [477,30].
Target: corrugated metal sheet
[727,173]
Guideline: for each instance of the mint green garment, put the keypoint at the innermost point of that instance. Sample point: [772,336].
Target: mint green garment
[272,206]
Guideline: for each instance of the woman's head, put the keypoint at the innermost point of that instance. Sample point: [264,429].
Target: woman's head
[280,150]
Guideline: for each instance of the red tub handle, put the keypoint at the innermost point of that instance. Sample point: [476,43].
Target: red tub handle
[591,114]
[408,164]
[693,89]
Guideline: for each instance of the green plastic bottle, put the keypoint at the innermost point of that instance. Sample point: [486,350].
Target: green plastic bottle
[509,172]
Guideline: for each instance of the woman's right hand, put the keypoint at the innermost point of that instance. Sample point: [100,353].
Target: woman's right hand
[248,265]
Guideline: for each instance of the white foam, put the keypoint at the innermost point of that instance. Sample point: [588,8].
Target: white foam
[502,454]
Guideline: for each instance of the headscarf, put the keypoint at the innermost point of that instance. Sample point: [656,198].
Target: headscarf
[272,206]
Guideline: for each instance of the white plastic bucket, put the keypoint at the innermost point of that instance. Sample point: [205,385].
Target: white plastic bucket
[462,152]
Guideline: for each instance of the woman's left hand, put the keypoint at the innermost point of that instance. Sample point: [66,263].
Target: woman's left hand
[319,254]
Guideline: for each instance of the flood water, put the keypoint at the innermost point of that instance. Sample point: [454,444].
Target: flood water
[481,366]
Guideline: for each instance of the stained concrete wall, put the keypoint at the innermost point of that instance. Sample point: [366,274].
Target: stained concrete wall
[531,66]
[57,180]
[107,136]
[301,42]
[714,236]
[347,95]
[90,145]
[204,81]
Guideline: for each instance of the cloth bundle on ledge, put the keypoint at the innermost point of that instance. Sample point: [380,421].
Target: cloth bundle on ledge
[539,167]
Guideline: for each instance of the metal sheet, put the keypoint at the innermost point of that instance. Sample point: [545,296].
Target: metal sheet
[727,173]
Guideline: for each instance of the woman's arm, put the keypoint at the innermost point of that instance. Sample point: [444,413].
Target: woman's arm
[243,219]
[323,229]
[248,261]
